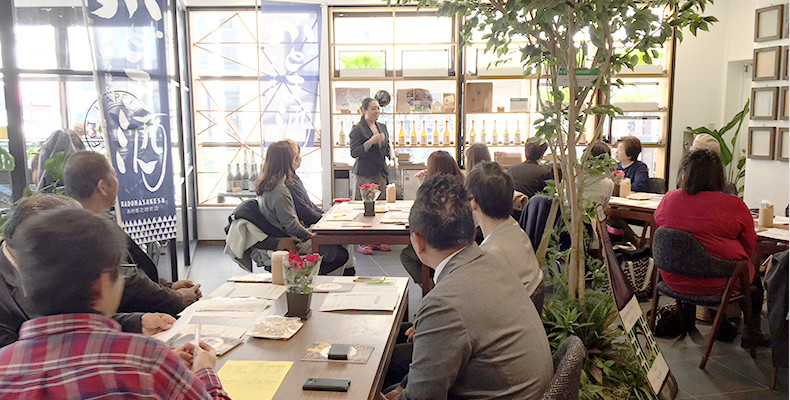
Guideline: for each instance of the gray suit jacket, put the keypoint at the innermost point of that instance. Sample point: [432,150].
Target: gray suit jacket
[478,335]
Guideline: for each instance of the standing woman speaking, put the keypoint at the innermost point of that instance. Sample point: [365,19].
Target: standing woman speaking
[369,146]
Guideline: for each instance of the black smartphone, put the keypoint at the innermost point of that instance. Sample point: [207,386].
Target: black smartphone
[339,352]
[327,384]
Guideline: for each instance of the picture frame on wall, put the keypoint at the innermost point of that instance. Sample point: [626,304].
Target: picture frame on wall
[767,64]
[784,61]
[761,142]
[781,151]
[768,23]
[764,103]
[784,103]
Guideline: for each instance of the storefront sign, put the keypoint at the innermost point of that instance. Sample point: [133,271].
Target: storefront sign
[130,50]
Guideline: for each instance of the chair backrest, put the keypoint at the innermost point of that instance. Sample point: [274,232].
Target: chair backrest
[680,253]
[657,185]
[568,363]
[534,218]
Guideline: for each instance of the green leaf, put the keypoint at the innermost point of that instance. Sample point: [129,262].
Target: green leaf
[56,165]
[6,160]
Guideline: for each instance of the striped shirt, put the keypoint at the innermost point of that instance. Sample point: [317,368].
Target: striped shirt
[85,356]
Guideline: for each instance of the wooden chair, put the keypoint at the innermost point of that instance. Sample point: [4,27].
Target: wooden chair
[680,253]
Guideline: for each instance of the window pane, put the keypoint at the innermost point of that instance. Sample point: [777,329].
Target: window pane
[35,46]
[40,106]
[363,27]
[411,28]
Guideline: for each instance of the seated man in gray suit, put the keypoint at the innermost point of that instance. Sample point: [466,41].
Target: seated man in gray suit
[476,334]
[492,208]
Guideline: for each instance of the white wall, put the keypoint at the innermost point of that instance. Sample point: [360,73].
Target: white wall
[767,179]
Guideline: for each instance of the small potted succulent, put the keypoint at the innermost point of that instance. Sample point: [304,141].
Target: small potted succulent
[370,192]
[299,274]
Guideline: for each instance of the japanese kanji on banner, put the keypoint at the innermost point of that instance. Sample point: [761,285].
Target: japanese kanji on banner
[129,47]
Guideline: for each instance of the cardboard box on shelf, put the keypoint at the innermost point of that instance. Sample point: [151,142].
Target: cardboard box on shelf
[479,96]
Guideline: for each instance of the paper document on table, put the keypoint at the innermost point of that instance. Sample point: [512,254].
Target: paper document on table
[342,216]
[253,380]
[395,218]
[257,290]
[262,277]
[360,301]
[221,338]
[230,308]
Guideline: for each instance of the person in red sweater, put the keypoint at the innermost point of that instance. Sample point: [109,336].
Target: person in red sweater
[720,222]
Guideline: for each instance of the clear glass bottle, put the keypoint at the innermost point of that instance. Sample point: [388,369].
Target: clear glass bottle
[506,135]
[472,135]
[401,135]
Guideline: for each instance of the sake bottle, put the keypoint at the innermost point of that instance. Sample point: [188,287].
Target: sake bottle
[436,140]
[229,179]
[506,135]
[483,136]
[472,135]
[423,135]
[446,132]
[413,133]
[517,135]
[401,135]
[341,137]
[494,135]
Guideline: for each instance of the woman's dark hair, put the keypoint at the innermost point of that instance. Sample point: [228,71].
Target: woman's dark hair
[597,148]
[534,149]
[365,103]
[441,162]
[278,167]
[492,189]
[441,213]
[701,171]
[476,153]
[632,146]
[60,254]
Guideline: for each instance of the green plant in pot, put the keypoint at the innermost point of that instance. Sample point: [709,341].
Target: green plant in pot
[734,165]
[361,60]
[299,273]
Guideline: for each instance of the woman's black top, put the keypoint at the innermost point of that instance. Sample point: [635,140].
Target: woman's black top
[370,163]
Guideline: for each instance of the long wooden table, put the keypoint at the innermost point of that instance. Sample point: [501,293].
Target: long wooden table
[379,329]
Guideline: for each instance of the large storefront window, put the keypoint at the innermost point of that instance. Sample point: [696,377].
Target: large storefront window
[255,82]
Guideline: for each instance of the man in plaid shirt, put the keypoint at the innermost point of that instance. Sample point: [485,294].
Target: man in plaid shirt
[69,267]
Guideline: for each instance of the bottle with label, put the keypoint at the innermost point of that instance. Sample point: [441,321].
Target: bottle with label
[423,135]
[517,135]
[253,177]
[237,179]
[506,135]
[483,136]
[472,135]
[245,174]
[413,133]
[446,132]
[436,140]
[341,137]
[229,179]
[401,135]
[494,135]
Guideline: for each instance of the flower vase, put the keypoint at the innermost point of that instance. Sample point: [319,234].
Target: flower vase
[370,209]
[298,305]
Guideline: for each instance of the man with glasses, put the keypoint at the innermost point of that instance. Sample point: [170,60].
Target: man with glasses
[73,349]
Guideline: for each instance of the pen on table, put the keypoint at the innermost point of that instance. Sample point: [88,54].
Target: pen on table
[197,335]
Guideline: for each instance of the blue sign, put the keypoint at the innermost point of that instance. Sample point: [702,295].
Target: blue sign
[129,46]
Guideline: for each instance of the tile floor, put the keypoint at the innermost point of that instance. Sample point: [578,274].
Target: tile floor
[730,373]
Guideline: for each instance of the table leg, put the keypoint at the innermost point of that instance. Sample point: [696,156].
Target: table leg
[427,281]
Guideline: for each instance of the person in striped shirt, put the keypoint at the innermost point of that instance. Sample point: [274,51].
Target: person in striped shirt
[69,261]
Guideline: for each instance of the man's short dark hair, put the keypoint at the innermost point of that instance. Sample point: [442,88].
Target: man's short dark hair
[701,171]
[60,253]
[83,171]
[31,206]
[492,189]
[442,214]
[632,146]
[534,149]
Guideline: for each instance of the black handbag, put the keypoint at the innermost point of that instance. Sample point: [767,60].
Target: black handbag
[668,321]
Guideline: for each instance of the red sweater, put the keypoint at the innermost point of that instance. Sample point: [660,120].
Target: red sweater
[720,222]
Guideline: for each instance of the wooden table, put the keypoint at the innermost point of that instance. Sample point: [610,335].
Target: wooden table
[335,228]
[379,329]
[640,210]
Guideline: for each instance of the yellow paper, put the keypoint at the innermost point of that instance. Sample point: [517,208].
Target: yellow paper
[253,380]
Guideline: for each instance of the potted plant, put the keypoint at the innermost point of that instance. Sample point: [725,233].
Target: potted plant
[362,64]
[299,274]
[370,192]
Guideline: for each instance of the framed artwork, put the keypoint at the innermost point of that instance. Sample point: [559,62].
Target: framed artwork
[767,64]
[781,151]
[764,103]
[761,142]
[768,23]
[784,62]
[784,104]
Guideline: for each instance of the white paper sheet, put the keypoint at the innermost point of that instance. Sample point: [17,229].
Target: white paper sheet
[230,308]
[360,301]
[257,290]
[262,277]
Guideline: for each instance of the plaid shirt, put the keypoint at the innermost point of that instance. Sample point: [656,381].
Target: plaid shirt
[84,356]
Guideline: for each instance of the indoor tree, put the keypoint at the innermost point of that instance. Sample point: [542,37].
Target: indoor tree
[562,42]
